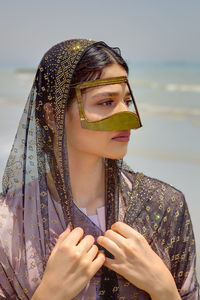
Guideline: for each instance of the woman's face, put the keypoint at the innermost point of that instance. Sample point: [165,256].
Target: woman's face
[99,102]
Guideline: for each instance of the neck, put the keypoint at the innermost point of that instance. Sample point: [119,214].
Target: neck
[87,175]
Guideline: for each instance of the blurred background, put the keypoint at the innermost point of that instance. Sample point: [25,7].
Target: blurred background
[160,41]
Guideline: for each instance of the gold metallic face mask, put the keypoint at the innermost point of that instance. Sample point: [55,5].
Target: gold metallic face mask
[124,120]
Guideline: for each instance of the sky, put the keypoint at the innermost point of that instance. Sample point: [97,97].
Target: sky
[145,30]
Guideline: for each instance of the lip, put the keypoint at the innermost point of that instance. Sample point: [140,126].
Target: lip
[122,136]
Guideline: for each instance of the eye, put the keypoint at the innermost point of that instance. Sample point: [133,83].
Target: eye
[128,102]
[106,103]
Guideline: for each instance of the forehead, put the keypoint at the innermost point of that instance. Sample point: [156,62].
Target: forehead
[110,71]
[114,70]
[109,89]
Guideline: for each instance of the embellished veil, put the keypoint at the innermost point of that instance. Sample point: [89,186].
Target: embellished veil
[37,202]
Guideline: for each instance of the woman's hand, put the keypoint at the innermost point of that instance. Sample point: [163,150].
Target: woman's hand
[137,262]
[71,265]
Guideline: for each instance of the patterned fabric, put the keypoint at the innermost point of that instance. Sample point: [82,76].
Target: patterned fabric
[37,203]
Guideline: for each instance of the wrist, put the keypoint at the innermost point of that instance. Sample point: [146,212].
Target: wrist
[43,292]
[40,293]
[165,294]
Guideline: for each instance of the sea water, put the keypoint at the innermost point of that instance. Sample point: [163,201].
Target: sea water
[167,147]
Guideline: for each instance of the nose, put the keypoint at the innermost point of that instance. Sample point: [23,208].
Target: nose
[121,107]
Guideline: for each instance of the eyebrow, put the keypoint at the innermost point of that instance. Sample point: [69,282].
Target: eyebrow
[110,94]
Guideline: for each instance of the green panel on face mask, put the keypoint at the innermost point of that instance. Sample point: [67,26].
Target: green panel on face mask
[123,120]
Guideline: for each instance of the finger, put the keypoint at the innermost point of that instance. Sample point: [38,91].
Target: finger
[109,245]
[115,237]
[64,234]
[97,263]
[111,264]
[86,243]
[125,230]
[74,236]
[92,253]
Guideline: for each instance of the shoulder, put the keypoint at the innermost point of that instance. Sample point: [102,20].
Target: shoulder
[157,209]
[156,192]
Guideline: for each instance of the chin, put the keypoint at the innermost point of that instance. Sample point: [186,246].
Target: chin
[116,155]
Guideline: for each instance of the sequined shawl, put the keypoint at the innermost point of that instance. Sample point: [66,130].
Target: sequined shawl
[37,202]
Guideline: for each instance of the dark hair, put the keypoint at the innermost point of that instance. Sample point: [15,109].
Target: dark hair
[92,63]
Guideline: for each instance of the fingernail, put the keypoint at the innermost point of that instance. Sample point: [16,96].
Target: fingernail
[70,226]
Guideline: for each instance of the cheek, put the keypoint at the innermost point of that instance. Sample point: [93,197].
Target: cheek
[83,139]
[90,141]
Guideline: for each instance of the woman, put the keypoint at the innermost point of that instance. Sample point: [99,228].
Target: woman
[76,222]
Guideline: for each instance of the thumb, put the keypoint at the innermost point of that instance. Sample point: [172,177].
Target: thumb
[61,237]
[65,233]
